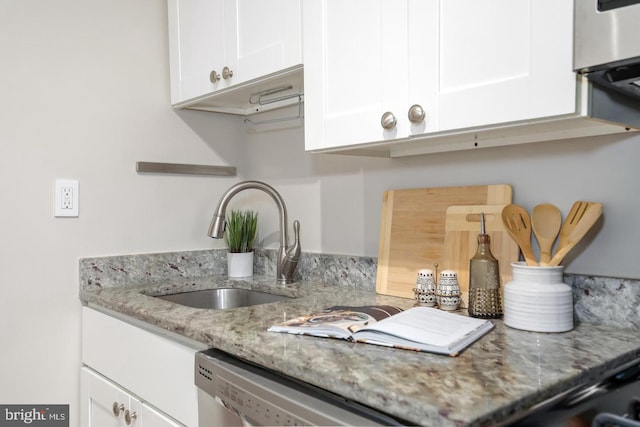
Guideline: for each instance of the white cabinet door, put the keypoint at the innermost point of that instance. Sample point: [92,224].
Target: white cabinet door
[465,63]
[266,36]
[105,404]
[196,46]
[355,70]
[249,38]
[102,404]
[151,417]
[504,60]
[423,74]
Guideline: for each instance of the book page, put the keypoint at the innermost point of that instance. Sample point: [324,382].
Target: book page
[335,322]
[428,326]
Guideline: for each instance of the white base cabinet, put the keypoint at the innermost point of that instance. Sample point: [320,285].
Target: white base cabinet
[105,404]
[148,372]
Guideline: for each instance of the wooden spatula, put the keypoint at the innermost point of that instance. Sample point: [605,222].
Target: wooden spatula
[516,221]
[546,220]
[579,221]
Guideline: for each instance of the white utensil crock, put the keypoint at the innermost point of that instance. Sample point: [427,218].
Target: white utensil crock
[537,300]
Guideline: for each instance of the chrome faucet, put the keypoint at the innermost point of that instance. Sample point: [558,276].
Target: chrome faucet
[288,257]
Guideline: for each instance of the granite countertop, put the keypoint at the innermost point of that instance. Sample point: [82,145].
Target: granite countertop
[507,371]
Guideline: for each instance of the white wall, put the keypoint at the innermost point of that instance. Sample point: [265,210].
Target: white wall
[338,198]
[84,90]
[84,95]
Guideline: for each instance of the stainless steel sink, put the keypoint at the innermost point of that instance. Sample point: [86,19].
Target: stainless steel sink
[223,298]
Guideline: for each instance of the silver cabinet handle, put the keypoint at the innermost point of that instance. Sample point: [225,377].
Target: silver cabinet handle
[227,73]
[116,408]
[130,417]
[214,77]
[416,114]
[388,120]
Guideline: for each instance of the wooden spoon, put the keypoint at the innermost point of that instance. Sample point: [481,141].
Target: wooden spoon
[516,220]
[584,216]
[546,220]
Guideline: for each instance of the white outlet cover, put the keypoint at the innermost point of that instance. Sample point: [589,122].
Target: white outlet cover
[66,198]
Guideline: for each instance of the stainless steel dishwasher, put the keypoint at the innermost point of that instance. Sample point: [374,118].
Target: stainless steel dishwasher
[232,392]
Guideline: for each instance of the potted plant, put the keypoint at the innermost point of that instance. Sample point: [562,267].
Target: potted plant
[239,235]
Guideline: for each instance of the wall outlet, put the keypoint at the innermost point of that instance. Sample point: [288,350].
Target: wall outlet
[66,198]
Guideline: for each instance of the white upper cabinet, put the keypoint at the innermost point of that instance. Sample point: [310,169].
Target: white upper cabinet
[197,46]
[267,37]
[504,60]
[216,46]
[482,73]
[356,70]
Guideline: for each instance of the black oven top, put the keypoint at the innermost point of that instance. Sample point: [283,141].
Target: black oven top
[613,401]
[604,5]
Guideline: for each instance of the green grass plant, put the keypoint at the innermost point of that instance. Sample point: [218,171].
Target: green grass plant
[240,233]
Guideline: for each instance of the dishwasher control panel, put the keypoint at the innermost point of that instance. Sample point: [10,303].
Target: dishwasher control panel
[255,409]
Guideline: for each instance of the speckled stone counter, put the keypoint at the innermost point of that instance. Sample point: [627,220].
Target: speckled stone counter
[504,373]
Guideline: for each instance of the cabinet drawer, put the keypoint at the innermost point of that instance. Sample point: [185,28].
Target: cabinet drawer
[155,368]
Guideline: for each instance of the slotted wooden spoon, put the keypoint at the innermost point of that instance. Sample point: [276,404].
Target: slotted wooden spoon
[518,225]
[579,221]
[573,217]
[546,220]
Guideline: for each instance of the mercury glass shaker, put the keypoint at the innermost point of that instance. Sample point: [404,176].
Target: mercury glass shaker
[484,279]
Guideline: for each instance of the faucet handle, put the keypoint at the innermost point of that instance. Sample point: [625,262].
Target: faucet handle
[296,232]
[292,255]
[294,250]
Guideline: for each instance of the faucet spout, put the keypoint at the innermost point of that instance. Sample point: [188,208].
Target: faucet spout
[287,257]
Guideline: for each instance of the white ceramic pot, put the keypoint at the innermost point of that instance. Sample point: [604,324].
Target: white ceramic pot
[240,264]
[537,300]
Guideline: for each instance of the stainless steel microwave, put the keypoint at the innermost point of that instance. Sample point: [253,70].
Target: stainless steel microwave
[607,43]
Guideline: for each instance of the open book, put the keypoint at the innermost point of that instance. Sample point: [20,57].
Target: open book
[418,328]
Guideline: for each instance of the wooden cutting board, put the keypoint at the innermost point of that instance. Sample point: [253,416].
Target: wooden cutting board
[461,242]
[412,230]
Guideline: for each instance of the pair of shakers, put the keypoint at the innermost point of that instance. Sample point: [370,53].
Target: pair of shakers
[445,294]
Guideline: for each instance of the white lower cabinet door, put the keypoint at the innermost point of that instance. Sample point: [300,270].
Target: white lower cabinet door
[151,417]
[104,404]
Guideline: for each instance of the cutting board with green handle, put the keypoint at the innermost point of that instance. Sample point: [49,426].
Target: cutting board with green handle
[412,230]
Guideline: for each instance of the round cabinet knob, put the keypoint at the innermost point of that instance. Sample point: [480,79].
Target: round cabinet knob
[416,114]
[130,417]
[214,77]
[227,73]
[388,120]
[116,408]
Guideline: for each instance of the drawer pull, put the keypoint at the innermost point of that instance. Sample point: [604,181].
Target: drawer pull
[214,77]
[416,114]
[227,73]
[116,408]
[130,417]
[388,120]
